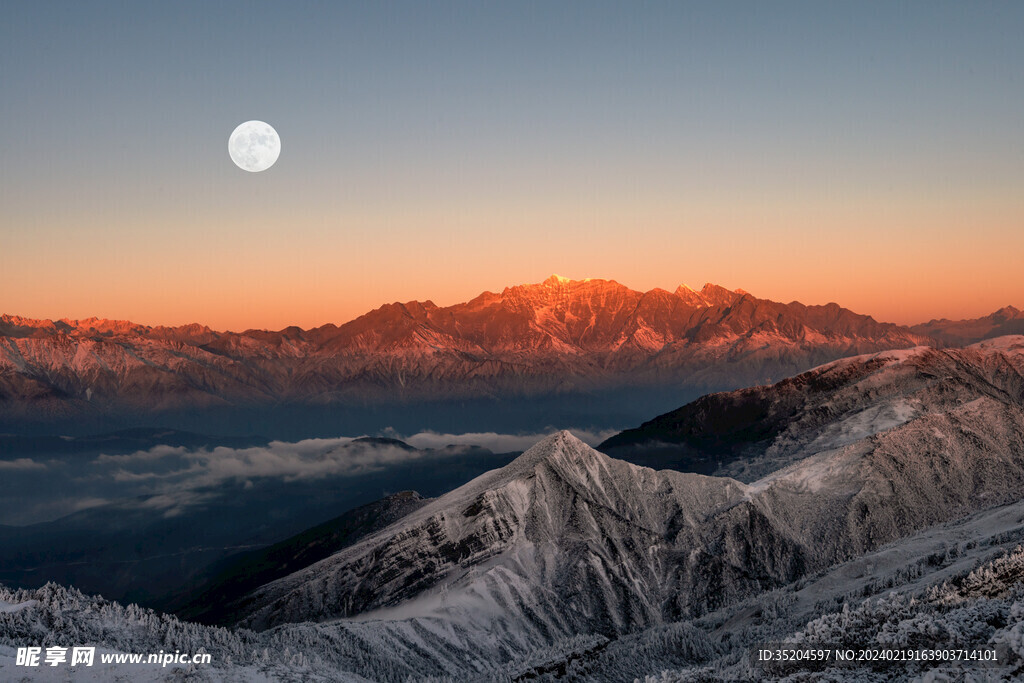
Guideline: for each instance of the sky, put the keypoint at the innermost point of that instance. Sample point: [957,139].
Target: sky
[870,154]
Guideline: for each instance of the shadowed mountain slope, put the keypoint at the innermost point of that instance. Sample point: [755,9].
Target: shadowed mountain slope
[211,599]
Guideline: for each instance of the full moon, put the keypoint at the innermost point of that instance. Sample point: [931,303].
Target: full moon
[254,146]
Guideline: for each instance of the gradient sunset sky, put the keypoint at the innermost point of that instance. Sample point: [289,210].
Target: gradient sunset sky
[868,153]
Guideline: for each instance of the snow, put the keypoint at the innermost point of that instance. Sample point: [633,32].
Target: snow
[9,608]
[901,355]
[150,673]
[1010,342]
[574,542]
[812,474]
[566,546]
[13,356]
[895,356]
[865,423]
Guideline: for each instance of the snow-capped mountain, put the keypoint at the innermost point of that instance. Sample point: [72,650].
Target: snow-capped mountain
[956,586]
[570,563]
[749,433]
[565,540]
[556,337]
[560,537]
[211,601]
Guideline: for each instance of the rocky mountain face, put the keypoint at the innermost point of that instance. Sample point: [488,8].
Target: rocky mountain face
[557,337]
[566,540]
[748,433]
[955,587]
[588,524]
[193,542]
[1005,321]
[210,600]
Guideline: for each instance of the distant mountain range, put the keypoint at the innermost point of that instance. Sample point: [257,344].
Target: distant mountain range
[557,337]
[1007,320]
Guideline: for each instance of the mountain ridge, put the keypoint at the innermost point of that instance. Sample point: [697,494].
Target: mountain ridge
[566,541]
[710,295]
[552,338]
[889,470]
[741,433]
[548,291]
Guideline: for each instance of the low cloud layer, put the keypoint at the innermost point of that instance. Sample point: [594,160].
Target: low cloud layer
[21,464]
[498,443]
[171,479]
[307,459]
[302,460]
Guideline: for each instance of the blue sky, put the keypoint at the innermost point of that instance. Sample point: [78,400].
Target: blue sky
[811,151]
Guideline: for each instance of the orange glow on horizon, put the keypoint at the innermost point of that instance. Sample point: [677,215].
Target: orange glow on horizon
[276,304]
[905,262]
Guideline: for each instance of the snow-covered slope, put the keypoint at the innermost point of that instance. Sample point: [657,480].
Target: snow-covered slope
[570,562]
[956,585]
[749,433]
[55,616]
[567,540]
[561,536]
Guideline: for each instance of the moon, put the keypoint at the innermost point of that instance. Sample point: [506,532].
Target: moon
[254,146]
